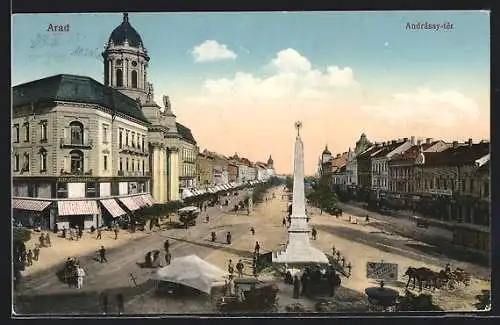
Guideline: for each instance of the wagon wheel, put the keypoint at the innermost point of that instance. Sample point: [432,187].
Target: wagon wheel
[452,284]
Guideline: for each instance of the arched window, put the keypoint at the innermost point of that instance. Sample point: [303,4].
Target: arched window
[119,78]
[134,79]
[76,161]
[76,132]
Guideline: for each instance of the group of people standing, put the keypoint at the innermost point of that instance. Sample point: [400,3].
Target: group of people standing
[312,278]
[74,273]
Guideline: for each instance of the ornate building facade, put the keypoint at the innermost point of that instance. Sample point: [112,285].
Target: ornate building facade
[172,147]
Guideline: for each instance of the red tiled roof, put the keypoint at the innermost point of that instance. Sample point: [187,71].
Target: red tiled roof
[462,155]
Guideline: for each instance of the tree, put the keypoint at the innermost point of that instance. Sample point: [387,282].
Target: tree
[322,197]
[422,302]
[483,300]
[20,236]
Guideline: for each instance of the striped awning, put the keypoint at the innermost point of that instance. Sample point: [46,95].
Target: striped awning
[129,202]
[148,199]
[74,208]
[30,205]
[139,200]
[113,208]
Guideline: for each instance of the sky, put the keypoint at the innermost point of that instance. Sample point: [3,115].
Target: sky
[241,80]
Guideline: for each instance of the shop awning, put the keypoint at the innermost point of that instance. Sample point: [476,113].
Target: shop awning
[74,208]
[186,193]
[129,203]
[30,205]
[148,199]
[113,208]
[139,200]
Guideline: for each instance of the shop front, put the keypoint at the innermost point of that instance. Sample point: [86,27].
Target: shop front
[84,214]
[31,213]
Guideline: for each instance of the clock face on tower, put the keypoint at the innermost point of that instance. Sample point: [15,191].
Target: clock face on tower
[118,62]
[134,63]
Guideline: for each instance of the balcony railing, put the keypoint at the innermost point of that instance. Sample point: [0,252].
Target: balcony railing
[133,149]
[130,173]
[76,172]
[69,143]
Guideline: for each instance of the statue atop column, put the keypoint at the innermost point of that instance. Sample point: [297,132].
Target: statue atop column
[149,97]
[298,125]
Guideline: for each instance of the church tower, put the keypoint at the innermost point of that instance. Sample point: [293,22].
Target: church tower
[126,62]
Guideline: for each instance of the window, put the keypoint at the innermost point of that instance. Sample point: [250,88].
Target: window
[133,165]
[16,133]
[62,190]
[142,143]
[486,191]
[33,190]
[104,133]
[121,164]
[119,78]
[134,79]
[138,141]
[126,165]
[91,189]
[43,161]
[16,162]
[120,138]
[26,164]
[105,162]
[143,167]
[76,161]
[26,132]
[43,131]
[138,168]
[133,139]
[76,132]
[126,138]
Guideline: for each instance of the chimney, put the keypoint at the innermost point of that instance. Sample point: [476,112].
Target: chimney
[428,140]
[405,139]
[419,142]
[455,144]
[412,140]
[469,142]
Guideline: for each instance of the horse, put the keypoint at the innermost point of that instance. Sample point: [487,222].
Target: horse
[421,275]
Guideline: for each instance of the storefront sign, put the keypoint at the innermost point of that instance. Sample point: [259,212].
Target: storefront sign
[440,192]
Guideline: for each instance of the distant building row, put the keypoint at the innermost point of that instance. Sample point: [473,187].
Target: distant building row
[446,181]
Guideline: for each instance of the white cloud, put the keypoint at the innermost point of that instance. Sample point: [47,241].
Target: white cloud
[424,106]
[291,75]
[212,51]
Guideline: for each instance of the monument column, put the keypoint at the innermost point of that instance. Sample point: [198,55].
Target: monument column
[174,173]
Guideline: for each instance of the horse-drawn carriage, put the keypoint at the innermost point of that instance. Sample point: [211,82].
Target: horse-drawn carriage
[69,273]
[250,295]
[447,278]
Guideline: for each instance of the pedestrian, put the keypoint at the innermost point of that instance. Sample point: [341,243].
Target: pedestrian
[116,232]
[230,269]
[284,222]
[252,230]
[63,233]
[303,281]
[343,261]
[314,233]
[333,250]
[41,240]
[214,236]
[336,283]
[80,232]
[36,252]
[257,248]
[239,268]
[168,258]
[29,257]
[99,233]
[24,259]
[296,287]
[120,303]
[77,232]
[349,267]
[338,255]
[102,255]
[104,303]
[228,238]
[56,228]
[92,229]
[166,245]
[207,218]
[80,273]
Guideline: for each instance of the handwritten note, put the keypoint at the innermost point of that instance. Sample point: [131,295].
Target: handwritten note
[54,46]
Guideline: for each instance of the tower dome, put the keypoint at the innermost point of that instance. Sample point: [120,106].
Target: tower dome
[125,31]
[270,162]
[326,151]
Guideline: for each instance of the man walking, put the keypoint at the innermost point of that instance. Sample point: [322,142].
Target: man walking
[257,248]
[166,245]
[80,273]
[102,255]
[252,230]
[230,269]
[168,258]
[116,232]
[239,268]
[314,233]
[99,233]
[228,238]
[284,222]
[29,257]
[36,252]
[296,287]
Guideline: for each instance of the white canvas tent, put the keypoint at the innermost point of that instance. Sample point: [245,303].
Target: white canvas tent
[191,271]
